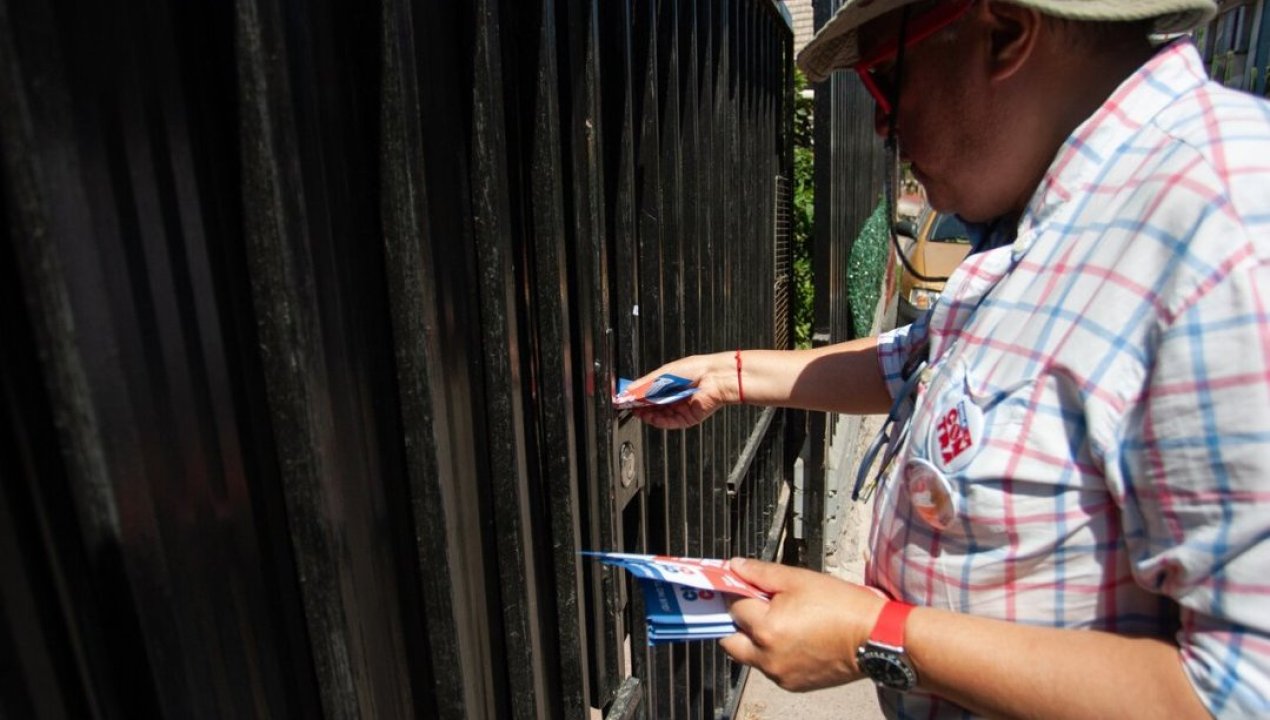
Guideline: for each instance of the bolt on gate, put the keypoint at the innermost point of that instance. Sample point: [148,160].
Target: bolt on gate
[312,312]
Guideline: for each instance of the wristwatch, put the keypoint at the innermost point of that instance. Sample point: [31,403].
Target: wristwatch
[882,656]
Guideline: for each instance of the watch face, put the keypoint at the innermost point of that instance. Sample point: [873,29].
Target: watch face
[887,668]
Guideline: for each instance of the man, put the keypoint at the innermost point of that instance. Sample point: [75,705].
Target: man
[1072,527]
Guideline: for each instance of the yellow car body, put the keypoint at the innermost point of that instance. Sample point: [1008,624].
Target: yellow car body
[935,245]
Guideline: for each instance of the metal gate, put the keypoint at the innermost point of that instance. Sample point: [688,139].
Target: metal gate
[850,175]
[311,316]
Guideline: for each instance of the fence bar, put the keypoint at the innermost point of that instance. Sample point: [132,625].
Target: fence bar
[313,314]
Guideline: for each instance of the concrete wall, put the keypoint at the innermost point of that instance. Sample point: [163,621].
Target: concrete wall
[804,26]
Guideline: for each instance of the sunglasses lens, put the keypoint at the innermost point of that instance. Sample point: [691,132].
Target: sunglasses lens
[878,69]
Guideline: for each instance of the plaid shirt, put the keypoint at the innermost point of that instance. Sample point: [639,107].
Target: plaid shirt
[1118,355]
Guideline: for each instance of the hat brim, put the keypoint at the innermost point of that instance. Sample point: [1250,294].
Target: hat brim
[835,46]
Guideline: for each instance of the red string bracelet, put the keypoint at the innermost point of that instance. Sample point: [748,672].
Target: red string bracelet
[740,389]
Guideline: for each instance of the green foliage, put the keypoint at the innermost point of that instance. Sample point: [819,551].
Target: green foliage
[868,255]
[804,212]
[865,268]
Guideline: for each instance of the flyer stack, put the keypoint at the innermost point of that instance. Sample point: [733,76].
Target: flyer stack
[684,597]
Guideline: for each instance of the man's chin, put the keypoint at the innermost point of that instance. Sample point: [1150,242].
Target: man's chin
[950,206]
[936,195]
[939,202]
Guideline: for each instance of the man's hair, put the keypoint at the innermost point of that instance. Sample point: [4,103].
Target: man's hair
[1099,35]
[1083,35]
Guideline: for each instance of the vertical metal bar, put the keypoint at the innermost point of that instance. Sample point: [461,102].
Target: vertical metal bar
[454,674]
[593,157]
[515,492]
[720,232]
[542,187]
[582,140]
[616,95]
[293,359]
[619,171]
[645,97]
[822,262]
[669,89]
[31,236]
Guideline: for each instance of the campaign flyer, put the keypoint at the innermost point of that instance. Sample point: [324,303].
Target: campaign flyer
[661,390]
[684,598]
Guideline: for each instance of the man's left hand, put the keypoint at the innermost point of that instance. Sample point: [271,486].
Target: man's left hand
[805,638]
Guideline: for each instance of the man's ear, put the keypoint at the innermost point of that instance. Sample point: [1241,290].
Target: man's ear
[1014,31]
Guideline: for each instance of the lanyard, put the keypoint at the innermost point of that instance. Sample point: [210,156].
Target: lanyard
[916,372]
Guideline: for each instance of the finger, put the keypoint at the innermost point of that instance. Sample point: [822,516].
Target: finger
[740,648]
[660,418]
[746,612]
[648,415]
[769,577]
[680,411]
[682,414]
[671,418]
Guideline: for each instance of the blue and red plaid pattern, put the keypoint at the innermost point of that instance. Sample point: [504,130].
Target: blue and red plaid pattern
[1119,351]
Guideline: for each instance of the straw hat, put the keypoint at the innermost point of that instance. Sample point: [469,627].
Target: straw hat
[835,45]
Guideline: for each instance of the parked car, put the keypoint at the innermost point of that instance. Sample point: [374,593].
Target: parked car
[935,245]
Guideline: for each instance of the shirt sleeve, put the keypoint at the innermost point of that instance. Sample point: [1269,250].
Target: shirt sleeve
[1196,460]
[893,350]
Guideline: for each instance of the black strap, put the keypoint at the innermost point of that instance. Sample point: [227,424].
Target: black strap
[893,152]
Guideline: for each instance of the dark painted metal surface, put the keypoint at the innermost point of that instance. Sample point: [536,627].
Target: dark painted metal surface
[311,317]
[850,176]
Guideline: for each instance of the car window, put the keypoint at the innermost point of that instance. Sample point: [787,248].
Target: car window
[949,229]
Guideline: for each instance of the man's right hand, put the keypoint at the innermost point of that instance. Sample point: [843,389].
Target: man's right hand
[842,378]
[716,387]
[805,637]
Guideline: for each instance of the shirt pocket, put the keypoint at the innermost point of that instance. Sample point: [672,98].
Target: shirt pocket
[961,424]
[1002,450]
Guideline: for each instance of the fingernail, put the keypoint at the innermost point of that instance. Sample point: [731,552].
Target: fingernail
[737,562]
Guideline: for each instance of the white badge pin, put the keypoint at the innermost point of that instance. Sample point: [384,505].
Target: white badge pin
[931,493]
[957,433]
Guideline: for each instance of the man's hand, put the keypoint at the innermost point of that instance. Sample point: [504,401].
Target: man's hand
[715,388]
[805,638]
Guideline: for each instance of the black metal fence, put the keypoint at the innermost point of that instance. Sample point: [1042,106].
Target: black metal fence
[850,176]
[311,315]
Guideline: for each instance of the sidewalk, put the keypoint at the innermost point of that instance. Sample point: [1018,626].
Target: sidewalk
[762,699]
[846,526]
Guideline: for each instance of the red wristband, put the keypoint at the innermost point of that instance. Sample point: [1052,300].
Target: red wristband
[889,629]
[740,389]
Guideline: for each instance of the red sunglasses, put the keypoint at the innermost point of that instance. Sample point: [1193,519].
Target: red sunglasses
[879,82]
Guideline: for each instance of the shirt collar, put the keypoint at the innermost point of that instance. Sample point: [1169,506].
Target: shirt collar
[1172,72]
[989,235]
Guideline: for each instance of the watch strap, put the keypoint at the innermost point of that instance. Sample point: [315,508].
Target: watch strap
[889,629]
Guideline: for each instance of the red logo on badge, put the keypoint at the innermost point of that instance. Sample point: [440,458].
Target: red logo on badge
[954,434]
